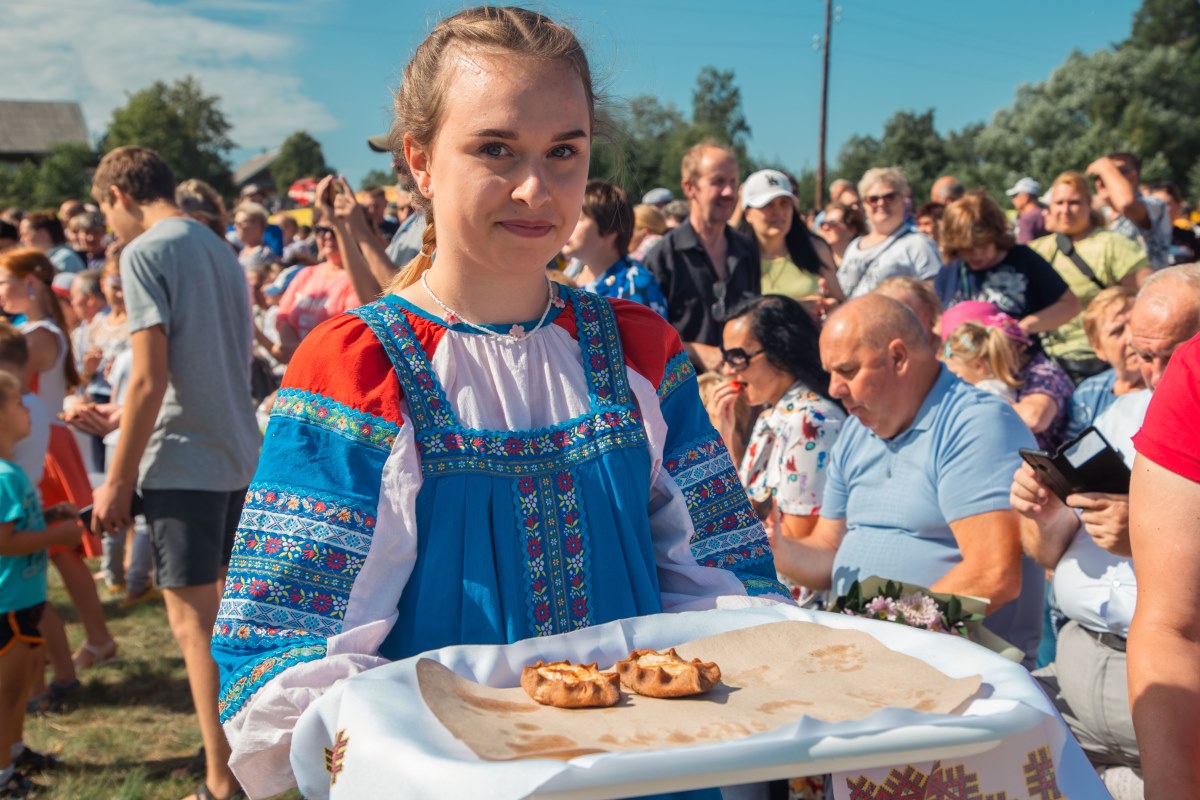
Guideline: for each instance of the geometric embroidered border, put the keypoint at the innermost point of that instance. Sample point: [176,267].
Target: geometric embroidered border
[250,679]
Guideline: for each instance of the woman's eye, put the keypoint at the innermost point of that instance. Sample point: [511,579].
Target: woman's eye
[563,151]
[494,149]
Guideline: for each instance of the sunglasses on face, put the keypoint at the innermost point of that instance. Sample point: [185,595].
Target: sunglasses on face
[876,199]
[323,230]
[738,358]
[830,224]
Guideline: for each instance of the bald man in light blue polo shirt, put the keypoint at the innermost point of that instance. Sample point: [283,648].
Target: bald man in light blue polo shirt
[918,482]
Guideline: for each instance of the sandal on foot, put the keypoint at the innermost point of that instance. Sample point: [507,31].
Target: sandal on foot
[202,792]
[53,698]
[31,762]
[89,655]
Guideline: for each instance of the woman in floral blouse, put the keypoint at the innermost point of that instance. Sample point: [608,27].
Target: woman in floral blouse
[771,357]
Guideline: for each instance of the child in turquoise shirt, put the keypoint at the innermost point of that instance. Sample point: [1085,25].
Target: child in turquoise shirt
[24,538]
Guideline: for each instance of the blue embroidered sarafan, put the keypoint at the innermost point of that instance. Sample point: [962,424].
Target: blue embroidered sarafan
[512,517]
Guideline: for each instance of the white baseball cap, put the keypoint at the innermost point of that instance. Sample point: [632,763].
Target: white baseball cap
[764,186]
[1024,186]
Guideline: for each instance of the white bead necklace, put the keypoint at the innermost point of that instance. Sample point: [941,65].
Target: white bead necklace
[515,334]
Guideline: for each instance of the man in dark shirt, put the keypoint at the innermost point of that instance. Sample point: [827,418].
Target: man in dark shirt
[704,266]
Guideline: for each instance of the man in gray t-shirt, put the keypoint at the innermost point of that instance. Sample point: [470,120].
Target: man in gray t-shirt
[187,425]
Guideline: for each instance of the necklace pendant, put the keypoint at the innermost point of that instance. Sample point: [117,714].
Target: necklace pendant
[558,302]
[450,318]
[517,332]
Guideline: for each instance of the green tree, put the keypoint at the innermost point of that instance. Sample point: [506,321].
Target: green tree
[66,173]
[377,177]
[717,108]
[300,156]
[18,184]
[1165,22]
[185,126]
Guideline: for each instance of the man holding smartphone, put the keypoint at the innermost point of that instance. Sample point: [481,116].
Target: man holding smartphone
[188,430]
[1086,542]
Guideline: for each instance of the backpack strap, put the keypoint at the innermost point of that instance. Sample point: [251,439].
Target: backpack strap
[1064,245]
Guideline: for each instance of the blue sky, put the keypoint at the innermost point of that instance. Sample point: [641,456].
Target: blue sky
[328,65]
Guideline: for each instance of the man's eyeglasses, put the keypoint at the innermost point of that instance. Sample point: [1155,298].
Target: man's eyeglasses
[876,199]
[738,358]
[718,306]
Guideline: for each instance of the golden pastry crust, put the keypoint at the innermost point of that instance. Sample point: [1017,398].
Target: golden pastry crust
[655,674]
[565,685]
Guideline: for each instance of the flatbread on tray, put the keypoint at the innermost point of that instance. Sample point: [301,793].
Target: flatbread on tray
[771,675]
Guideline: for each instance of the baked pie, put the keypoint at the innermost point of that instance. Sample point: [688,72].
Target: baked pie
[655,674]
[566,685]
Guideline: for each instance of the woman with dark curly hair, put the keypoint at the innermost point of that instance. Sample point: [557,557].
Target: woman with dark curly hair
[771,357]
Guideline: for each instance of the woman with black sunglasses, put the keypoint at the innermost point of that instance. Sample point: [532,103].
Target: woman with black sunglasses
[771,357]
[893,247]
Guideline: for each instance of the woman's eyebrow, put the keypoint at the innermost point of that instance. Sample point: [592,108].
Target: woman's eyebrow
[496,133]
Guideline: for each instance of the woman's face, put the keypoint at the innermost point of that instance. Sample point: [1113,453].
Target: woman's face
[1070,210]
[507,168]
[1112,343]
[835,231]
[746,363]
[885,207]
[15,292]
[589,246]
[327,244]
[773,220]
[114,295]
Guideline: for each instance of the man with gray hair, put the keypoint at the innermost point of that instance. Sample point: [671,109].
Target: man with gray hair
[1086,542]
[916,488]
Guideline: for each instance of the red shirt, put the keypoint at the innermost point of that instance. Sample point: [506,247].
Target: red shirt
[1170,435]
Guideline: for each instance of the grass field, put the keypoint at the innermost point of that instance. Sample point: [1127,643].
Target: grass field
[131,724]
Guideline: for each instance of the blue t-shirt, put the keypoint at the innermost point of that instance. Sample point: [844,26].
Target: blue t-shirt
[628,280]
[22,578]
[1090,399]
[899,496]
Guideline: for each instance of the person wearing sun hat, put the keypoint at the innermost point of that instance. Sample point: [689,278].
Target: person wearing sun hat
[794,260]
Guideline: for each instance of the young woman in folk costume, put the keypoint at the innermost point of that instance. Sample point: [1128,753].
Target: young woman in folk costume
[481,456]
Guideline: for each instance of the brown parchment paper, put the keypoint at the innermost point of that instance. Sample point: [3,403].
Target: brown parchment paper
[771,674]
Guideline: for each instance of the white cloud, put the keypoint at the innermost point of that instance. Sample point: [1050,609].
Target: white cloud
[98,53]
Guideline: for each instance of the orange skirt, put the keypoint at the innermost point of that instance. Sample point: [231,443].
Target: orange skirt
[66,479]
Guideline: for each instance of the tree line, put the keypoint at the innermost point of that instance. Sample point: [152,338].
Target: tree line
[1139,95]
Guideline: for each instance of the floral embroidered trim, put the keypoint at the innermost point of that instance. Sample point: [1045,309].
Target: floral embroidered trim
[308,506]
[333,416]
[253,677]
[527,452]
[678,372]
[429,407]
[728,534]
[603,356]
[557,560]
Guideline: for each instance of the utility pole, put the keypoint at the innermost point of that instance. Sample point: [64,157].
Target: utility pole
[824,105]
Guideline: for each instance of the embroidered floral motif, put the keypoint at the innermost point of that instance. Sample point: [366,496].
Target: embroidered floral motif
[527,452]
[678,372]
[1040,779]
[253,676]
[336,755]
[429,407]
[603,357]
[557,560]
[331,415]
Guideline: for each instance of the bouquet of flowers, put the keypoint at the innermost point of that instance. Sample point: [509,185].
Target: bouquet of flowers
[917,606]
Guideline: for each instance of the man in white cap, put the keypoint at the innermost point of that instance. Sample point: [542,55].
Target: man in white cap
[1031,219]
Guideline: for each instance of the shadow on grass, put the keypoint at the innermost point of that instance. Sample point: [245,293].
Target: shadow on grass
[158,683]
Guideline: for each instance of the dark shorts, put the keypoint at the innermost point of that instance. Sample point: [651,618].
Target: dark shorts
[21,626]
[191,533]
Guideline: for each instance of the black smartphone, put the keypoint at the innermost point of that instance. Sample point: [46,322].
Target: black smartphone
[136,507]
[1087,463]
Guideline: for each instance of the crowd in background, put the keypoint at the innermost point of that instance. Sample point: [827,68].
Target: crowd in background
[873,366]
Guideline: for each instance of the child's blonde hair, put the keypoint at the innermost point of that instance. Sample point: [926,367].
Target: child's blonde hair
[972,340]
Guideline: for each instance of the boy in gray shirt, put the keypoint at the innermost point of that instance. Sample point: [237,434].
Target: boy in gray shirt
[188,429]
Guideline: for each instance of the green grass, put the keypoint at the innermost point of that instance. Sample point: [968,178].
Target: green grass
[131,724]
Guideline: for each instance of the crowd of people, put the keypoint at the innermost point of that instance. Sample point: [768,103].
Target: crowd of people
[869,373]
